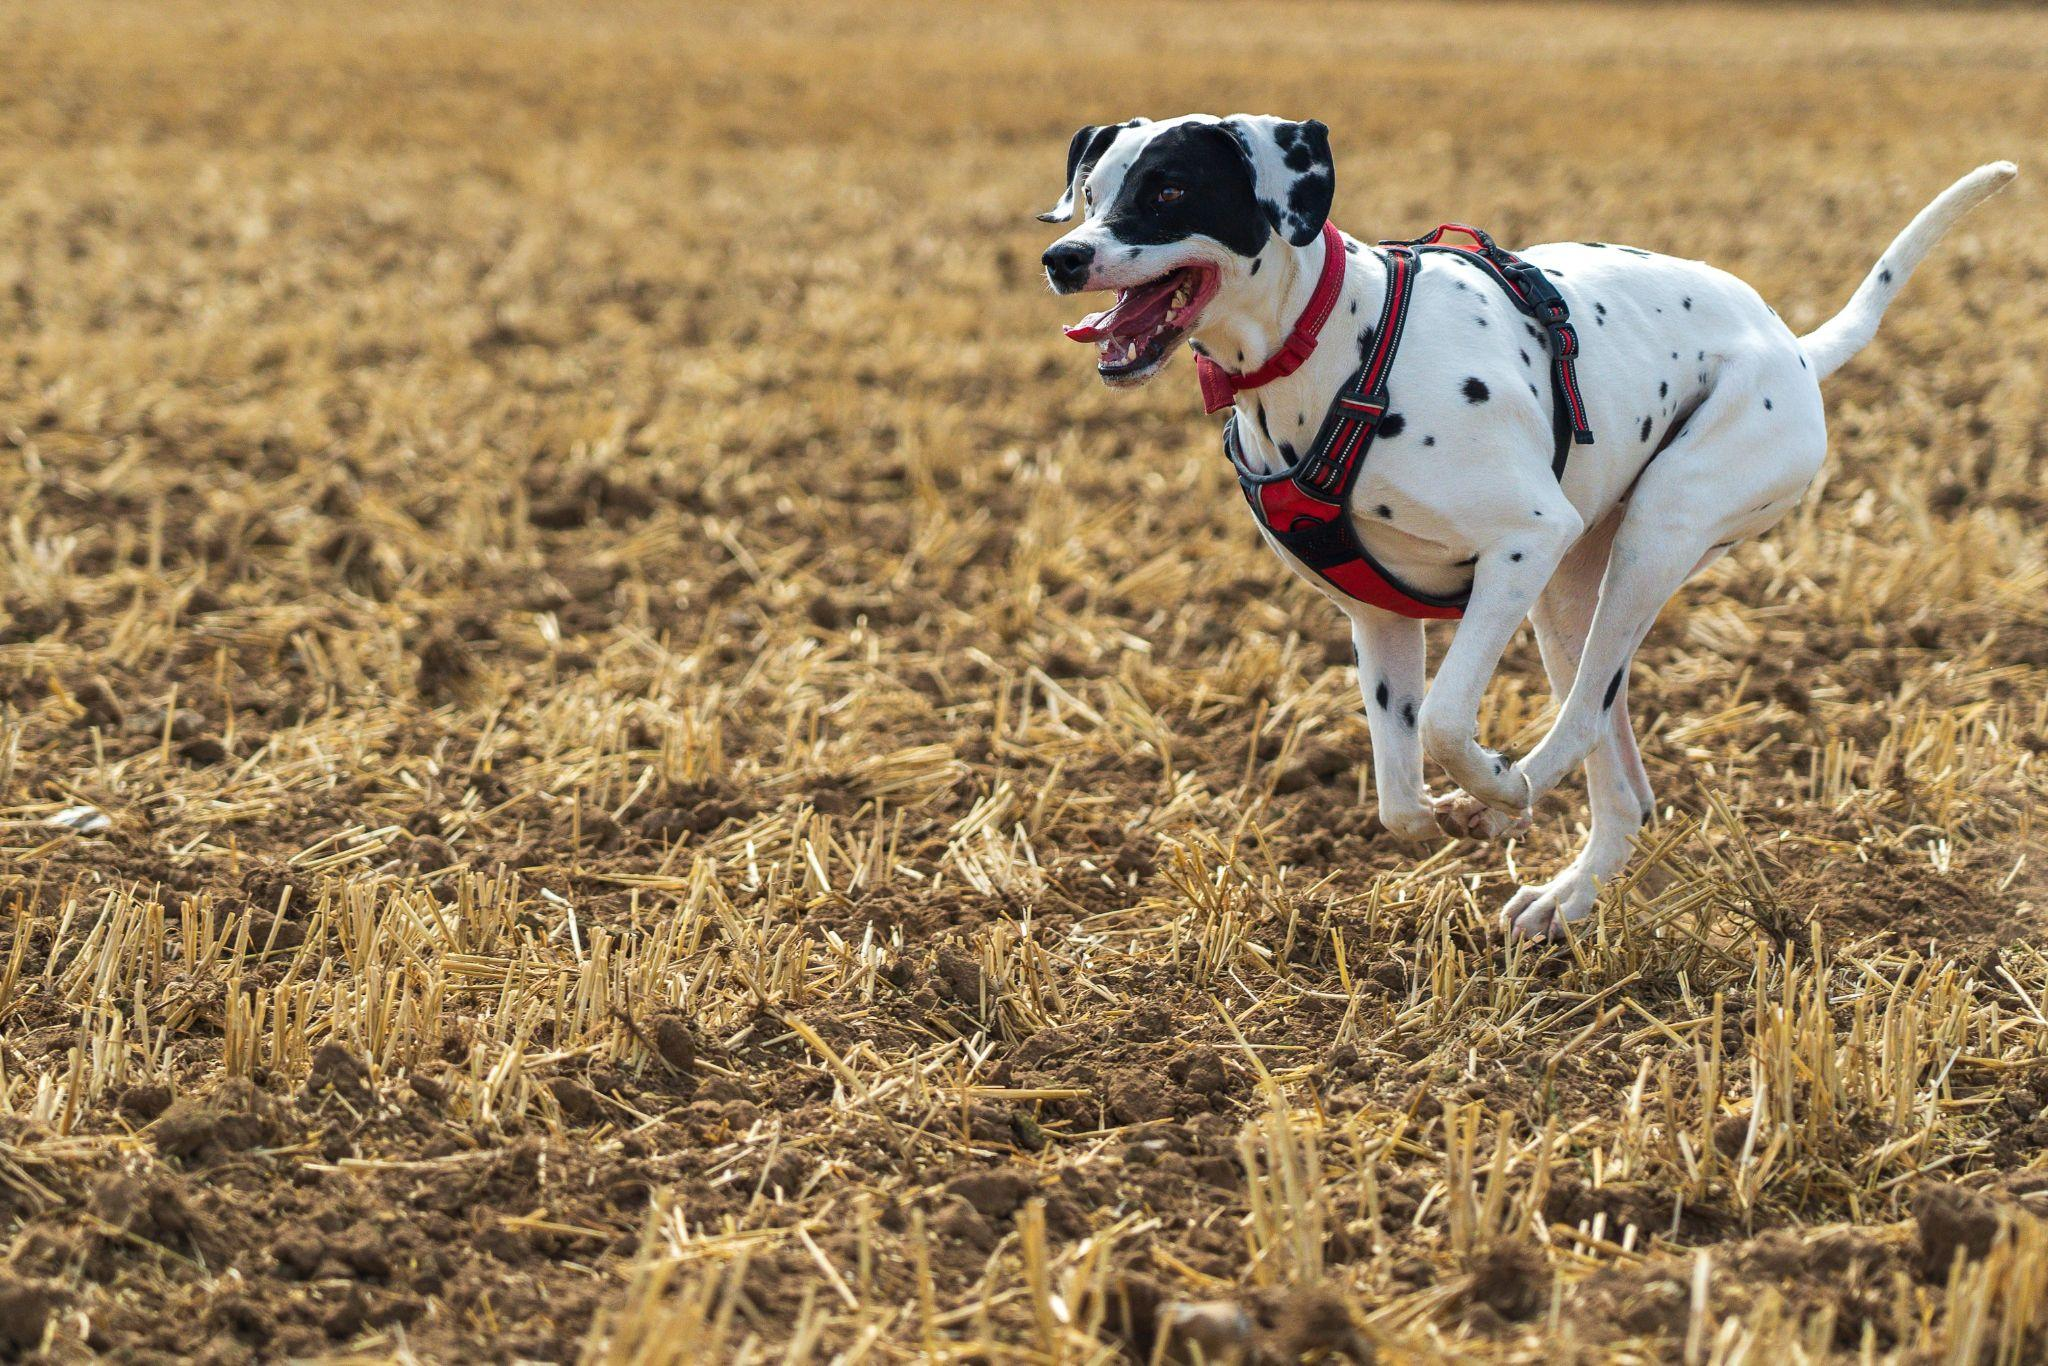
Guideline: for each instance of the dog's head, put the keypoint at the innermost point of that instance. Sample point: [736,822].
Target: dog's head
[1177,217]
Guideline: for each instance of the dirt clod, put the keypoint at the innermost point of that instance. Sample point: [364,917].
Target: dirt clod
[996,1194]
[675,1042]
[202,1130]
[338,1072]
[25,1309]
[1951,1219]
[143,1103]
[1511,1279]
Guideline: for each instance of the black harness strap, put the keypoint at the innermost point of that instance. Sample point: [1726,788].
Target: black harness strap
[1305,507]
[1535,296]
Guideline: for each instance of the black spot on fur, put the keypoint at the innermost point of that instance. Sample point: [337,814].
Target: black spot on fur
[1475,390]
[1088,146]
[1408,715]
[1308,201]
[1287,452]
[1354,308]
[1613,687]
[1298,152]
[1384,511]
[1633,251]
[1525,358]
[1515,556]
[1646,430]
[1534,335]
[1601,309]
[1392,424]
[1481,321]
[1429,441]
[1767,405]
[1380,694]
[1131,252]
[1217,199]
[1884,277]
[1258,261]
[1663,388]
[1301,419]
[1686,301]
[1554,274]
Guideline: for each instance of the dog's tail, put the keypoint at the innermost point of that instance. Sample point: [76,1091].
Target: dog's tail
[1829,346]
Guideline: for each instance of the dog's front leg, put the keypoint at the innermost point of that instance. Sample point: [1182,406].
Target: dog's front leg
[1392,672]
[1506,583]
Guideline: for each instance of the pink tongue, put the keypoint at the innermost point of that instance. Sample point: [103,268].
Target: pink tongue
[1136,311]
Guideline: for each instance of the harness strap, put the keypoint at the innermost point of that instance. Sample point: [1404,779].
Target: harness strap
[1533,293]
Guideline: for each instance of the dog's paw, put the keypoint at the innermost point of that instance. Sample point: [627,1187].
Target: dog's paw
[1463,816]
[1539,911]
[1414,826]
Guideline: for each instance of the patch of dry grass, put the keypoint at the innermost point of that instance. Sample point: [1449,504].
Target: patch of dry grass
[681,784]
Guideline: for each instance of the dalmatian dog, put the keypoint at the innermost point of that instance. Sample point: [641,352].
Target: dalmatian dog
[1706,408]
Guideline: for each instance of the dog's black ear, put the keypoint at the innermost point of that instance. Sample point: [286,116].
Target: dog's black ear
[1082,153]
[1292,172]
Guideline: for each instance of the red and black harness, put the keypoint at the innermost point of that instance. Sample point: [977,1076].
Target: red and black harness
[1306,506]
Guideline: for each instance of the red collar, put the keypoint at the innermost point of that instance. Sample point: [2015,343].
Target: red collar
[1219,386]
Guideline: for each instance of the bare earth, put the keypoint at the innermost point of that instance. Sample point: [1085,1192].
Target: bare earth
[681,784]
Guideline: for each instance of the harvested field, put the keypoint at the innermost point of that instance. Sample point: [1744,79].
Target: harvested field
[610,750]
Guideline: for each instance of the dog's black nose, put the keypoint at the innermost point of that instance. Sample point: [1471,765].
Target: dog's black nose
[1066,264]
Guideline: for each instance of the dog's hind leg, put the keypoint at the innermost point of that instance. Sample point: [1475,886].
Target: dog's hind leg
[1392,672]
[1740,462]
[1617,785]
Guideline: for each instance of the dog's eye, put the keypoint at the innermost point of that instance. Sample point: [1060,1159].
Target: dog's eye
[1168,194]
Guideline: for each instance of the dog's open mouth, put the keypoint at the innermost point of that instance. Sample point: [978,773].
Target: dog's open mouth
[1134,336]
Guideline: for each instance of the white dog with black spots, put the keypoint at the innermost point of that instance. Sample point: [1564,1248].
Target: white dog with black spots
[1706,408]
